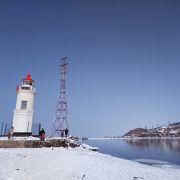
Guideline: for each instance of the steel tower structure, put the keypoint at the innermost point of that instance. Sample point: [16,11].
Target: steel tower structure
[61,121]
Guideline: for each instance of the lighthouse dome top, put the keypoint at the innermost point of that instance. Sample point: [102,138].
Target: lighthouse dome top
[28,78]
[27,82]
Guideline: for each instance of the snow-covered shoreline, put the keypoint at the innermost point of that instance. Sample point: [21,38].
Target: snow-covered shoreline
[75,163]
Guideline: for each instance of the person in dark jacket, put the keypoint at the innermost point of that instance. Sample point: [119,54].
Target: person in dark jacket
[42,134]
[62,132]
[66,132]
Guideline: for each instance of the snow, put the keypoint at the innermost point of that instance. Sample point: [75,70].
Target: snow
[3,138]
[86,146]
[157,163]
[75,164]
[29,138]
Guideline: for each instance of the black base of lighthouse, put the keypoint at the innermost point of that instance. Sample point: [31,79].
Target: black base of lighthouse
[18,134]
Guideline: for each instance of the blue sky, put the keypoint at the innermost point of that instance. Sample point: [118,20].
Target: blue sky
[124,61]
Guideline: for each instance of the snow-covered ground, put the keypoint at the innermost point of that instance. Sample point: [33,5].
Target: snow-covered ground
[72,164]
[29,138]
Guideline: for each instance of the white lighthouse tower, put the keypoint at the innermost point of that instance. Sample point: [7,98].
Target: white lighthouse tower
[23,114]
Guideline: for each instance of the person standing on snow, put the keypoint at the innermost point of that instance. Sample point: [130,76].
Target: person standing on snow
[62,132]
[10,133]
[66,132]
[42,134]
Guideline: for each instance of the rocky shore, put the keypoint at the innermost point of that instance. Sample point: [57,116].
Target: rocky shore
[31,142]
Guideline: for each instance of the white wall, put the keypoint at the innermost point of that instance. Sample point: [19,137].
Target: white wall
[22,120]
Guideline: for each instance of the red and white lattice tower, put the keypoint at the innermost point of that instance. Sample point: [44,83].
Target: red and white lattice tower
[61,121]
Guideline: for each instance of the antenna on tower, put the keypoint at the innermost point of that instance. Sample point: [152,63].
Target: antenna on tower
[61,122]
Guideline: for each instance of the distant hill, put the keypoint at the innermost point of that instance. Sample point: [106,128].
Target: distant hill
[171,130]
[136,132]
[175,124]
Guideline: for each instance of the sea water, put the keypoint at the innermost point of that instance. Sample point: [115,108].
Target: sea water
[147,151]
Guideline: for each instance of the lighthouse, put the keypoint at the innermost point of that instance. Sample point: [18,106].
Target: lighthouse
[23,113]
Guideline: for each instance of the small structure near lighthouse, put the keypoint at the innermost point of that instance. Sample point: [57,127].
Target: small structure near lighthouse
[23,113]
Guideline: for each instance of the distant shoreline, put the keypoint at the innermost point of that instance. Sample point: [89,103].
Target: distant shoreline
[126,138]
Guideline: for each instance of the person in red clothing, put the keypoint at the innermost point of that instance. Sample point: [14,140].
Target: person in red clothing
[10,133]
[42,134]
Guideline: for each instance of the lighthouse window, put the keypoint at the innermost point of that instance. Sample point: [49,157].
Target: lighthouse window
[27,83]
[25,88]
[23,104]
